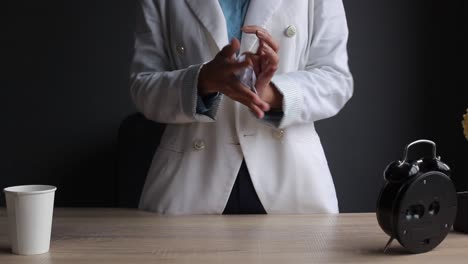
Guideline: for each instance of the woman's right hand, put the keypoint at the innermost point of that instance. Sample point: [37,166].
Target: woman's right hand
[218,76]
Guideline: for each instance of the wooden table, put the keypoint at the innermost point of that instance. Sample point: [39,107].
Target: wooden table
[131,236]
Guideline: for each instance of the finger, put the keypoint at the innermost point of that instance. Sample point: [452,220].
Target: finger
[248,53]
[270,54]
[255,60]
[256,110]
[251,29]
[250,61]
[259,102]
[268,39]
[262,34]
[237,66]
[249,57]
[260,45]
[272,58]
[247,95]
[230,50]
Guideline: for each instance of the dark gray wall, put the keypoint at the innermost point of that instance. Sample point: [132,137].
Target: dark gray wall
[65,93]
[409,84]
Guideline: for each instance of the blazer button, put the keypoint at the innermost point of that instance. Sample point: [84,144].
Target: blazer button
[290,31]
[278,134]
[180,49]
[198,145]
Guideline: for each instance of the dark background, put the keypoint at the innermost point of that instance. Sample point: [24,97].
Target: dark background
[64,91]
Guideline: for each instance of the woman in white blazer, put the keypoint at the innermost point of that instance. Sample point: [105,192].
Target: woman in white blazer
[183,59]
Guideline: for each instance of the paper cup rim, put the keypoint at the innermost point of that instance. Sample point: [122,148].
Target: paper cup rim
[30,189]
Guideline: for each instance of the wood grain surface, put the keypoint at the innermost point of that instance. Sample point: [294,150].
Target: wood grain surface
[131,236]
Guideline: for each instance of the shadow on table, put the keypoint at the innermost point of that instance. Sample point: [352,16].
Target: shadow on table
[397,251]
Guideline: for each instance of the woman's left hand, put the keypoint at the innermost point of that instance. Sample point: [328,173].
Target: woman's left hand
[265,61]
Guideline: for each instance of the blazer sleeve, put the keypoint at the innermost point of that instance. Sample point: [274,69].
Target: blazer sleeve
[326,84]
[161,92]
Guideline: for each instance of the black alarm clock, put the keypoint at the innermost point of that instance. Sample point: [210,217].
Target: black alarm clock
[418,203]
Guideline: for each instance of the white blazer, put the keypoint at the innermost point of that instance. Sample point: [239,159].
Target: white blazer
[197,161]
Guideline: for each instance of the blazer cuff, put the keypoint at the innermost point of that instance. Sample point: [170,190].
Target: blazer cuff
[205,104]
[273,118]
[292,99]
[190,97]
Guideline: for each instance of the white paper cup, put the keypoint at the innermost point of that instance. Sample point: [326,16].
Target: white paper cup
[30,209]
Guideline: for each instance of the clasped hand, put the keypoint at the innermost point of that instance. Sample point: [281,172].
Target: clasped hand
[218,74]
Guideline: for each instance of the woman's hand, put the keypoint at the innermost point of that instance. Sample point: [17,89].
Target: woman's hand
[265,61]
[218,76]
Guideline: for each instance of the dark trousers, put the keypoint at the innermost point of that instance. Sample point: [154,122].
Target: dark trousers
[243,198]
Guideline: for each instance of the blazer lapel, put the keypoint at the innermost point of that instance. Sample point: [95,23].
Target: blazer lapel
[259,14]
[210,14]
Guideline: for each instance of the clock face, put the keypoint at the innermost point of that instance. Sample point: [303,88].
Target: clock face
[426,211]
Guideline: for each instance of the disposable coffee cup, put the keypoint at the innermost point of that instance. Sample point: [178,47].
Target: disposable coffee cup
[30,209]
